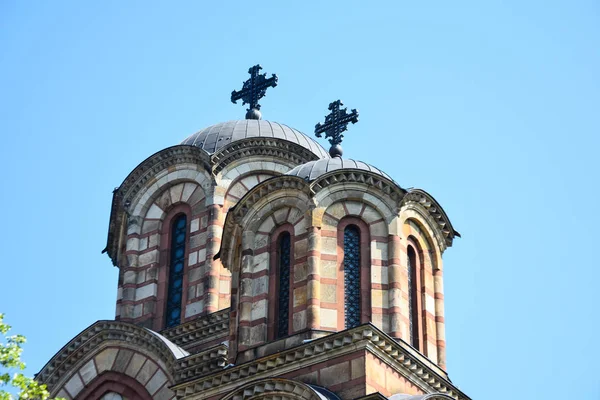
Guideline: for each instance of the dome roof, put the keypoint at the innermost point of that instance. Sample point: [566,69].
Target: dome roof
[215,137]
[314,169]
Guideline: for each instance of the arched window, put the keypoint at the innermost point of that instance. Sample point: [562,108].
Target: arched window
[352,276]
[283,266]
[413,296]
[177,260]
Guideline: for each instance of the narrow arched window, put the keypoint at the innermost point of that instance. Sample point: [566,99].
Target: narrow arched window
[351,276]
[283,266]
[413,297]
[177,260]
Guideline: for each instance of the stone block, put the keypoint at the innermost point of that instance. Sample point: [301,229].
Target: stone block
[300,226]
[194,225]
[281,215]
[329,245]
[88,372]
[371,215]
[300,272]
[135,365]
[329,269]
[379,251]
[260,285]
[122,360]
[129,277]
[201,255]
[153,240]
[379,298]
[147,258]
[379,274]
[258,334]
[145,291]
[163,394]
[133,243]
[156,382]
[336,210]
[198,240]
[299,320]
[260,262]
[329,318]
[74,385]
[193,258]
[336,374]
[155,212]
[328,293]
[176,192]
[260,241]
[357,368]
[354,207]
[194,308]
[378,229]
[300,248]
[259,309]
[300,296]
[143,244]
[146,372]
[188,189]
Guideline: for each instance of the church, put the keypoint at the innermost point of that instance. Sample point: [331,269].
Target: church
[255,264]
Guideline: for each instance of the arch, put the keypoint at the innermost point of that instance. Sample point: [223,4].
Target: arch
[236,188]
[364,270]
[166,265]
[414,266]
[283,389]
[281,255]
[112,382]
[90,354]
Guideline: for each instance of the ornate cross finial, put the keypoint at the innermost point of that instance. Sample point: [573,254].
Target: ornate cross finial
[253,90]
[335,124]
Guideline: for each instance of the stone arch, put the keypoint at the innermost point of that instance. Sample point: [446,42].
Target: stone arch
[279,388]
[238,187]
[116,348]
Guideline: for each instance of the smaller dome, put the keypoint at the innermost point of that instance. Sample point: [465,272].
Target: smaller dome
[314,169]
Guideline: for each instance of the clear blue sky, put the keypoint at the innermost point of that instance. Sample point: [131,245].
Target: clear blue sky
[490,106]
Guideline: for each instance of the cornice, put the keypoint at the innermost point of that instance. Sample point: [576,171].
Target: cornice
[275,388]
[95,337]
[436,213]
[202,363]
[398,354]
[384,185]
[261,146]
[200,330]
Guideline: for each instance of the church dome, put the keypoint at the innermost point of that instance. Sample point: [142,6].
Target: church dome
[215,137]
[314,169]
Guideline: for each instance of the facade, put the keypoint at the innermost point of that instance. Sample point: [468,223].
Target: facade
[253,264]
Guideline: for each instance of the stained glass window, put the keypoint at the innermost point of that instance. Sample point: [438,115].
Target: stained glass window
[175,289]
[352,276]
[283,309]
[413,322]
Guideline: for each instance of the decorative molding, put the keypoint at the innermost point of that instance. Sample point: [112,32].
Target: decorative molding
[267,147]
[200,330]
[202,363]
[274,388]
[368,178]
[92,338]
[137,179]
[395,353]
[434,210]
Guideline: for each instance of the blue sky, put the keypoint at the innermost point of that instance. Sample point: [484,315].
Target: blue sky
[492,107]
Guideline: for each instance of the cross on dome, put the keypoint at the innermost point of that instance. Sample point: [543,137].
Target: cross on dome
[336,123]
[253,90]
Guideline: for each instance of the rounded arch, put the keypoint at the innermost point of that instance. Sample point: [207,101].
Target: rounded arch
[284,389]
[112,382]
[107,346]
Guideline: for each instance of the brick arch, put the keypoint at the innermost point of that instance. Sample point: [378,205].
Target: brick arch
[241,184]
[122,384]
[165,180]
[416,232]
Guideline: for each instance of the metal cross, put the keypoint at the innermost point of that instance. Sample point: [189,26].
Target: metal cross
[254,88]
[336,123]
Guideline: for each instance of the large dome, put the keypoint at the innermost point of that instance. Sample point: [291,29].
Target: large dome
[215,137]
[314,169]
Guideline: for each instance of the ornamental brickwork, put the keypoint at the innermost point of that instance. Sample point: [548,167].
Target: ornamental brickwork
[254,266]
